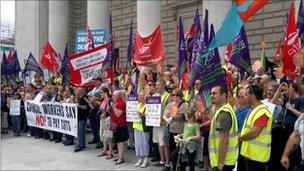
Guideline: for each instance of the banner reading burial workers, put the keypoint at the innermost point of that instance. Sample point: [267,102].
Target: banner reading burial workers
[90,64]
[54,116]
[153,111]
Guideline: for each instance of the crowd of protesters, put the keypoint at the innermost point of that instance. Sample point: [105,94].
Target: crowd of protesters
[255,125]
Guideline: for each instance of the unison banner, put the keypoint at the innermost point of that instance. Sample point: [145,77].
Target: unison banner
[131,111]
[54,116]
[89,64]
[149,50]
[153,111]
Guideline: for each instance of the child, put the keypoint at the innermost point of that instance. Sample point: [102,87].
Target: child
[188,143]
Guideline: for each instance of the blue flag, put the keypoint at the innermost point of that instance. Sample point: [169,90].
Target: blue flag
[240,56]
[64,69]
[182,51]
[130,47]
[31,65]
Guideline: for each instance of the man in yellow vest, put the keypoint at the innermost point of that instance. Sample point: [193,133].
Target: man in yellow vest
[256,132]
[223,137]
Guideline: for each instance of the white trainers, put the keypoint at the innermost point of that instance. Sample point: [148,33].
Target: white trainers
[139,162]
[145,163]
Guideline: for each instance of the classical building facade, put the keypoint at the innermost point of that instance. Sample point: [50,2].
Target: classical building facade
[57,21]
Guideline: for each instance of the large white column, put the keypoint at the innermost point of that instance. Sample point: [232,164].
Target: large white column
[217,12]
[31,28]
[59,24]
[98,14]
[148,18]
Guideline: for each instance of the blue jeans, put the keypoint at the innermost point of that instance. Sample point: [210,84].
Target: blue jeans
[16,120]
[94,122]
[81,134]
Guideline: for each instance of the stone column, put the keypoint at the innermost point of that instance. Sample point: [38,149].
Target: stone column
[217,12]
[31,28]
[98,14]
[59,24]
[148,18]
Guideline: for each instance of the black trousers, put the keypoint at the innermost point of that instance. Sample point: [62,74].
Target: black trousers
[183,165]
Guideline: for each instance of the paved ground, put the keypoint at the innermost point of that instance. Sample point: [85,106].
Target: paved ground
[27,153]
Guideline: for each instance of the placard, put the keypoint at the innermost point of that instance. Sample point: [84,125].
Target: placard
[153,111]
[15,107]
[54,116]
[99,38]
[132,102]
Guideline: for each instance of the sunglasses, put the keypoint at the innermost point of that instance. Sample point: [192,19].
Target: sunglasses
[177,95]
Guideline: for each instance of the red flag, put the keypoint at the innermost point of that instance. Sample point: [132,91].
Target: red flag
[185,77]
[90,39]
[253,7]
[278,55]
[10,57]
[229,66]
[149,50]
[291,45]
[49,58]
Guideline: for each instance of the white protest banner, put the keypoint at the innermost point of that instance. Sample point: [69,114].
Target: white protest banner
[39,96]
[153,111]
[15,107]
[132,115]
[54,116]
[89,64]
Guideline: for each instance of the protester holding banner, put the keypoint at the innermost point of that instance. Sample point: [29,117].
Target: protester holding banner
[175,116]
[141,135]
[68,97]
[83,112]
[158,131]
[4,111]
[56,97]
[119,124]
[15,105]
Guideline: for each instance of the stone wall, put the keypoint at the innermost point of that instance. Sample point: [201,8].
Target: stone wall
[267,25]
[78,20]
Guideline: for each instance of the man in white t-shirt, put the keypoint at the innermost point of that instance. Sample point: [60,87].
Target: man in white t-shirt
[296,138]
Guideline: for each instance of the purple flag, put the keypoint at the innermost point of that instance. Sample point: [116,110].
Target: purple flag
[15,66]
[194,31]
[64,69]
[300,22]
[4,65]
[31,65]
[213,73]
[111,40]
[240,56]
[130,46]
[182,51]
[200,46]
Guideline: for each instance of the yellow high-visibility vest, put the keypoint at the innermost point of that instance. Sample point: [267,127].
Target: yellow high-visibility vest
[259,148]
[138,125]
[214,140]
